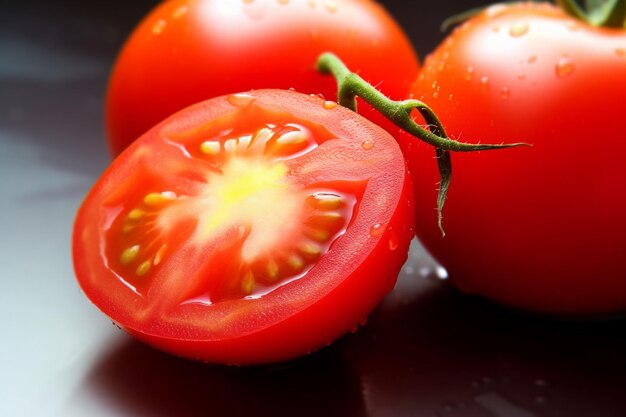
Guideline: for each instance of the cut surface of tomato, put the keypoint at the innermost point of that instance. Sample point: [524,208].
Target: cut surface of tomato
[249,228]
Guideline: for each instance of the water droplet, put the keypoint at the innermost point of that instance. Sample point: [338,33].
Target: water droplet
[621,52]
[241,100]
[441,273]
[505,93]
[532,59]
[542,383]
[328,105]
[484,84]
[450,97]
[393,243]
[469,74]
[180,12]
[367,145]
[331,6]
[519,29]
[564,68]
[377,230]
[521,77]
[540,399]
[159,26]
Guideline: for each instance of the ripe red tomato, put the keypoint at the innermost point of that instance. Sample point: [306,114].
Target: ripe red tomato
[541,228]
[249,228]
[187,51]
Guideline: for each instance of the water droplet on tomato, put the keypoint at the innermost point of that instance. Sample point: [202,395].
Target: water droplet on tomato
[564,68]
[377,230]
[521,77]
[367,145]
[393,242]
[159,26]
[180,12]
[450,97]
[331,6]
[241,100]
[532,59]
[469,74]
[519,29]
[484,84]
[621,52]
[329,105]
[505,93]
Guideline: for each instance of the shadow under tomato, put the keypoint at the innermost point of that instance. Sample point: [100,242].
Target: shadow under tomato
[430,350]
[135,379]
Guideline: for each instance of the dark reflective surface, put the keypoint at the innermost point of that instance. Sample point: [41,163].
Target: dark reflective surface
[426,351]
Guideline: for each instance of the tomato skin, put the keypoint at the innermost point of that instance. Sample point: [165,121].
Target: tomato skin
[302,315]
[542,228]
[186,51]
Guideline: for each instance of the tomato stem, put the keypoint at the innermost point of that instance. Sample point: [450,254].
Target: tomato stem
[605,13]
[351,85]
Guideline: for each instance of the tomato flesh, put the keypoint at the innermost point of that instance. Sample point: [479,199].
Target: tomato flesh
[241,215]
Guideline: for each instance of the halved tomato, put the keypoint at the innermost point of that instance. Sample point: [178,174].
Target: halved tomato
[249,228]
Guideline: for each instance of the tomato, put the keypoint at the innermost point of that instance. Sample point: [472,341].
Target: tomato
[248,228]
[541,228]
[186,51]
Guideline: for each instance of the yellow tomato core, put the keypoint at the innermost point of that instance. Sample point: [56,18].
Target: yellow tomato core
[254,194]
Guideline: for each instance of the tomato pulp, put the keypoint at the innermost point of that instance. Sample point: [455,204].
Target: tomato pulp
[249,228]
[186,51]
[541,228]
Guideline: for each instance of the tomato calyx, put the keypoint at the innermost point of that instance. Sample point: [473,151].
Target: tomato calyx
[601,13]
[350,85]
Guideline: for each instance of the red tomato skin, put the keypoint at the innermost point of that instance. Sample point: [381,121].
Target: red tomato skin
[317,311]
[186,51]
[542,228]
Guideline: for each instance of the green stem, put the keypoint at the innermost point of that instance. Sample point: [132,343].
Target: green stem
[351,85]
[604,13]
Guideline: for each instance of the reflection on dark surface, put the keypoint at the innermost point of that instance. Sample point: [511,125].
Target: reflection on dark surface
[427,351]
[140,381]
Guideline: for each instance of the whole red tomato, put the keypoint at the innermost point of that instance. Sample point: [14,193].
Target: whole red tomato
[541,228]
[186,51]
[248,228]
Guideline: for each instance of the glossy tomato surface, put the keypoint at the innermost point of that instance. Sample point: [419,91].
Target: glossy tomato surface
[249,228]
[539,228]
[186,51]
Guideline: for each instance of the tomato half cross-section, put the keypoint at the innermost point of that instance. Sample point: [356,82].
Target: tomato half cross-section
[249,228]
